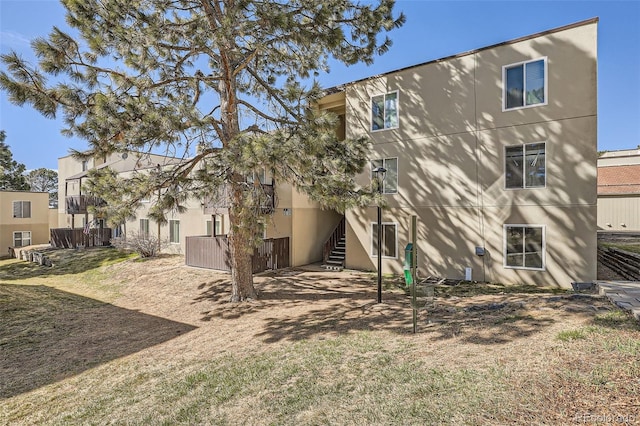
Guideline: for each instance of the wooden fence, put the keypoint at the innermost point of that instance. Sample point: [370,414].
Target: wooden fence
[72,238]
[213,253]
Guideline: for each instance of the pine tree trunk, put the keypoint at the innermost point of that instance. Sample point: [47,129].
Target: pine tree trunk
[241,249]
[240,238]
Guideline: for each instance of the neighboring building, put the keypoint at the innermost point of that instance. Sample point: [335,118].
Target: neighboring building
[619,190]
[494,150]
[305,224]
[24,219]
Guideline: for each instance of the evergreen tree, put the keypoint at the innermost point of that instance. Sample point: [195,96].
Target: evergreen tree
[44,180]
[234,77]
[11,172]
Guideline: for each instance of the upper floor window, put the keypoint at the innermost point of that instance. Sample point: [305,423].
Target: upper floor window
[525,84]
[384,111]
[22,209]
[390,181]
[525,166]
[85,165]
[524,246]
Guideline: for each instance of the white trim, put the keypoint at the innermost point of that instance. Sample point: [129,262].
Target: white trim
[524,77]
[371,254]
[504,166]
[504,245]
[370,109]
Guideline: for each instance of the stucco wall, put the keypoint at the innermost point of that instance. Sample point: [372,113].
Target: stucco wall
[450,146]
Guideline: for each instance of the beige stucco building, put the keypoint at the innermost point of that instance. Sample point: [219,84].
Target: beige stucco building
[619,190]
[494,151]
[294,216]
[24,219]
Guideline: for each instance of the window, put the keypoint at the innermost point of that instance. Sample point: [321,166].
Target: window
[525,166]
[390,182]
[22,209]
[144,228]
[524,246]
[22,238]
[85,165]
[389,240]
[218,226]
[384,111]
[259,175]
[174,231]
[525,84]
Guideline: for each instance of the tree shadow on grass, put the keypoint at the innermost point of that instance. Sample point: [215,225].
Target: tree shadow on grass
[48,335]
[302,306]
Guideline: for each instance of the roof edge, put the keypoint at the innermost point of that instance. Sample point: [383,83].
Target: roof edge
[341,87]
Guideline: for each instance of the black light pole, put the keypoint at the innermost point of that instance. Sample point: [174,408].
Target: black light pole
[379,172]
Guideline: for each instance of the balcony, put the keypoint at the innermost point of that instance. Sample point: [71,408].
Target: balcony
[78,204]
[219,202]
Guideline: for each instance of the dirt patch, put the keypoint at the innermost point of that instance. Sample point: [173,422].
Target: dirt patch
[311,303]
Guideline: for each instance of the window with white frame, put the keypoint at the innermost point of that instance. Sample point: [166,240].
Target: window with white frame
[390,181]
[22,209]
[524,246]
[525,166]
[389,235]
[22,238]
[384,111]
[525,84]
[144,228]
[174,231]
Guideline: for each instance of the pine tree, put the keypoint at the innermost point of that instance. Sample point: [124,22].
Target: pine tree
[44,180]
[235,77]
[11,172]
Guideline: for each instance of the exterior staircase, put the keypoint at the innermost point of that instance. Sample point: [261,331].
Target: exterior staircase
[335,249]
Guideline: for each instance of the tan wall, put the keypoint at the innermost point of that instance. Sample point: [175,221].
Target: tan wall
[447,238]
[311,228]
[450,147]
[37,224]
[619,213]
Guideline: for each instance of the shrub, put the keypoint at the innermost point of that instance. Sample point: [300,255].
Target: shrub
[144,245]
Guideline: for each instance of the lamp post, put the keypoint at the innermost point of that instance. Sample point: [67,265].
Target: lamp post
[379,173]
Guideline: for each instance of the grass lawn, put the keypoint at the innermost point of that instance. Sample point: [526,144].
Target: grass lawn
[104,338]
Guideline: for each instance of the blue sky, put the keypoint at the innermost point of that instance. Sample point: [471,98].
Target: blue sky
[434,29]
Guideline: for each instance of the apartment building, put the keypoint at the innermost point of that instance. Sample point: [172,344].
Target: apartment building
[24,219]
[290,214]
[494,151]
[619,190]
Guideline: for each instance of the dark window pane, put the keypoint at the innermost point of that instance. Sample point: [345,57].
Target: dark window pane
[535,82]
[374,239]
[533,260]
[514,260]
[535,165]
[377,112]
[513,167]
[514,87]
[389,240]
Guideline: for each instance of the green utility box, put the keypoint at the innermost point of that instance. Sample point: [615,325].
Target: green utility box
[408,264]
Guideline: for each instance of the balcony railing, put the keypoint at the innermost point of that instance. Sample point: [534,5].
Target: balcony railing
[219,202]
[78,204]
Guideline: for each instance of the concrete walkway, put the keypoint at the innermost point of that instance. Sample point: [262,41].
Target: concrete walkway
[624,294]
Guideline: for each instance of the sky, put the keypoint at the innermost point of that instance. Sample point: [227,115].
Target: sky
[433,30]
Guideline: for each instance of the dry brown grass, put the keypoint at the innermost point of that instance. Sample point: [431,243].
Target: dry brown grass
[156,342]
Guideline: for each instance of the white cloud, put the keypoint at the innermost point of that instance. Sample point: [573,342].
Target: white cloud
[14,40]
